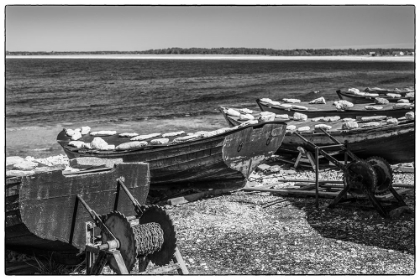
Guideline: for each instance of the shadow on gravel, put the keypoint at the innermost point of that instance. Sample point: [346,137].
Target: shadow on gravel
[363,226]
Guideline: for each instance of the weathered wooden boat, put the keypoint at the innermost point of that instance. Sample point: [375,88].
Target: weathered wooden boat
[220,161]
[359,99]
[43,213]
[394,143]
[328,109]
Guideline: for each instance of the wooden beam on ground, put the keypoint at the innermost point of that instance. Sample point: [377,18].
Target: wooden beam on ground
[321,194]
[196,196]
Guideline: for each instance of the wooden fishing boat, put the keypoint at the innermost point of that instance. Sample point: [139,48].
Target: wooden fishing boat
[42,212]
[328,109]
[223,160]
[359,99]
[395,143]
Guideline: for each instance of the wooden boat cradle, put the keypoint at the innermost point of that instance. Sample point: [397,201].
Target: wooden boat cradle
[325,150]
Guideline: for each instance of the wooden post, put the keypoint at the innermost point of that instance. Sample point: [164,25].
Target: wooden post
[180,261]
[316,176]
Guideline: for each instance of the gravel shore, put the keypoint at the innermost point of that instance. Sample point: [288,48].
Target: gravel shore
[242,233]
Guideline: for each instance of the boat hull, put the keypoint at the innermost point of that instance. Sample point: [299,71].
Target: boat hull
[395,143]
[43,212]
[221,161]
[365,99]
[350,113]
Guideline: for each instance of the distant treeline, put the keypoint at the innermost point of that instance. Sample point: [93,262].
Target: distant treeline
[243,51]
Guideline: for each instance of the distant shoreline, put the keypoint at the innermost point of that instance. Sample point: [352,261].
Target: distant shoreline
[217,57]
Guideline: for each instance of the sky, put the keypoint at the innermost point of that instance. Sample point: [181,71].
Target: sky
[137,28]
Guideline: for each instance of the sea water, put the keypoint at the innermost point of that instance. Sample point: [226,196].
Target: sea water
[50,91]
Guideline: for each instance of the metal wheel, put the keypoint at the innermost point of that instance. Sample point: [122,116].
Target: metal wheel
[119,225]
[383,173]
[158,215]
[361,177]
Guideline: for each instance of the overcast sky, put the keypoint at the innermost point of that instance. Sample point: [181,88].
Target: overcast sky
[130,28]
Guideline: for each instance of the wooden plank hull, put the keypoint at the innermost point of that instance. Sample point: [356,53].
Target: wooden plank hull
[42,212]
[395,143]
[366,99]
[318,111]
[208,162]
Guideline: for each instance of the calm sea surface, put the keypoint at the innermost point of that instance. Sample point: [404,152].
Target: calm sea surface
[49,91]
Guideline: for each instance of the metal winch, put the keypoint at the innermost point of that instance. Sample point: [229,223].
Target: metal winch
[123,241]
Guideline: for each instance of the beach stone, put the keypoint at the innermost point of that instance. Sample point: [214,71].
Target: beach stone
[381,101]
[374,108]
[131,145]
[144,137]
[409,116]
[245,111]
[172,134]
[409,95]
[371,124]
[393,95]
[128,134]
[323,126]
[263,167]
[234,113]
[304,128]
[19,173]
[403,106]
[331,119]
[185,138]
[343,105]
[396,213]
[291,100]
[70,132]
[103,133]
[373,118]
[266,117]
[99,144]
[77,144]
[250,122]
[392,121]
[403,101]
[14,160]
[300,117]
[85,130]
[299,107]
[246,117]
[160,141]
[25,165]
[320,100]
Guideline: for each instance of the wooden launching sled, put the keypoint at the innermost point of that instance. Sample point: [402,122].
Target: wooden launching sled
[394,143]
[328,109]
[223,160]
[97,213]
[43,213]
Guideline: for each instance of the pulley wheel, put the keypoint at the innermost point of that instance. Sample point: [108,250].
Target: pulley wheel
[361,177]
[158,215]
[120,227]
[383,172]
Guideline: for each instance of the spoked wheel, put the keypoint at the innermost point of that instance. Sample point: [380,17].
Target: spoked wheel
[361,177]
[383,173]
